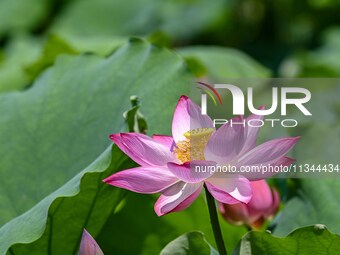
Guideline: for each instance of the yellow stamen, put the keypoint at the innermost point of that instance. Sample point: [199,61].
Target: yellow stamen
[193,147]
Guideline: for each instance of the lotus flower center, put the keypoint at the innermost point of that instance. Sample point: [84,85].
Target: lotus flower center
[192,148]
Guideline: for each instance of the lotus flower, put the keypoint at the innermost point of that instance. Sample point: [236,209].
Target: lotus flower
[165,161]
[263,205]
[88,245]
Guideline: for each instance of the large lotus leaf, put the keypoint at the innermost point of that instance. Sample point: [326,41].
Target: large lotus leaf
[189,243]
[303,241]
[53,130]
[56,222]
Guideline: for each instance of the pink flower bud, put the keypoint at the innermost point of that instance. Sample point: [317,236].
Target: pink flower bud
[263,204]
[88,245]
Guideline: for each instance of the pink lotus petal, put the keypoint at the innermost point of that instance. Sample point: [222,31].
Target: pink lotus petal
[178,197]
[230,190]
[284,161]
[187,171]
[262,198]
[268,152]
[263,204]
[235,213]
[251,132]
[188,201]
[221,195]
[88,245]
[146,180]
[275,204]
[226,143]
[187,117]
[254,176]
[143,150]
[166,140]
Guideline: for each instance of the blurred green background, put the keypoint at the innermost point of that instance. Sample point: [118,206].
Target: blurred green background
[54,122]
[289,37]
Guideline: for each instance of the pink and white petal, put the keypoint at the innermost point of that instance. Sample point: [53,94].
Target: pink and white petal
[145,180]
[188,201]
[268,152]
[193,171]
[187,117]
[178,197]
[143,150]
[166,140]
[225,143]
[220,195]
[230,190]
[262,174]
[252,131]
